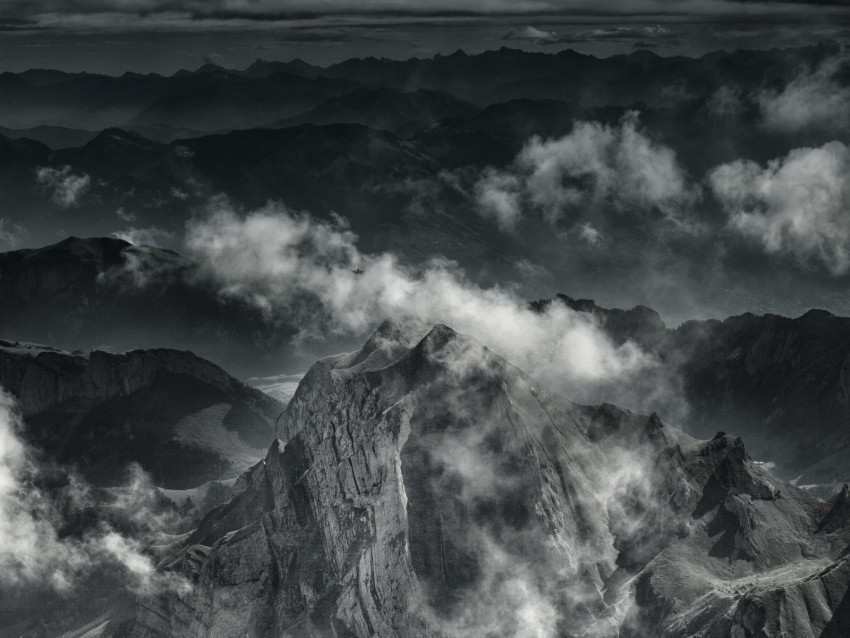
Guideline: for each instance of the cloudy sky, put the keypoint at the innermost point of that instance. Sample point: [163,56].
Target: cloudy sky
[112,36]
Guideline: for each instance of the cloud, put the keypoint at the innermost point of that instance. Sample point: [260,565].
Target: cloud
[646,36]
[499,197]
[51,11]
[151,236]
[40,502]
[534,575]
[589,233]
[214,59]
[66,187]
[124,216]
[594,167]
[531,270]
[11,234]
[725,104]
[797,205]
[532,35]
[814,99]
[310,274]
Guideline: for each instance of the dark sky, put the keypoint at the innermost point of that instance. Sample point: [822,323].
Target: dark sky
[112,36]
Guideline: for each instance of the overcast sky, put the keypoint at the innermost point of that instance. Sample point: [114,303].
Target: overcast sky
[112,36]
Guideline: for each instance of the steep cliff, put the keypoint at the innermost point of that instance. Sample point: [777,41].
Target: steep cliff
[426,487]
[182,418]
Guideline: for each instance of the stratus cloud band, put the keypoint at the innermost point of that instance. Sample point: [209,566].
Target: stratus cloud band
[52,10]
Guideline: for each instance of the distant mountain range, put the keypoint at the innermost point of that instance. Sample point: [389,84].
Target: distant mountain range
[401,113]
[395,147]
[213,98]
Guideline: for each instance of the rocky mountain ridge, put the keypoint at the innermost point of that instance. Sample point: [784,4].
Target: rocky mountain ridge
[426,487]
[183,419]
[779,382]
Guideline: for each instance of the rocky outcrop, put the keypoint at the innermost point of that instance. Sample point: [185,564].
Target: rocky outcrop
[781,383]
[185,420]
[426,487]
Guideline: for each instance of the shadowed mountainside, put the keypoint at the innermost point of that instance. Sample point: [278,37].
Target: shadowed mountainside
[182,419]
[429,488]
[779,382]
[112,294]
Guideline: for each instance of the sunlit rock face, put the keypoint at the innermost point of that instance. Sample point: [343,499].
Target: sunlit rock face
[424,486]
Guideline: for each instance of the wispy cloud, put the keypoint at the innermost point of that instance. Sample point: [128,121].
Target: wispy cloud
[65,186]
[39,503]
[11,234]
[129,13]
[531,34]
[151,236]
[815,99]
[310,274]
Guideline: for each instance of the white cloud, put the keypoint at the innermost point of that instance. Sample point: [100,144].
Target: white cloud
[593,168]
[811,100]
[66,187]
[33,553]
[531,34]
[499,198]
[589,233]
[797,205]
[311,274]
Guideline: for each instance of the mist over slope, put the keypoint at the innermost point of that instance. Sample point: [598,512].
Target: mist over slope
[779,382]
[116,296]
[97,451]
[428,487]
[771,379]
[182,419]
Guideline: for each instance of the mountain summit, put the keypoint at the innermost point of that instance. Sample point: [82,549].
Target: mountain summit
[424,486]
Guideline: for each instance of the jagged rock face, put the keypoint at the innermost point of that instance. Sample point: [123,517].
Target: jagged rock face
[185,420]
[429,488]
[782,383]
